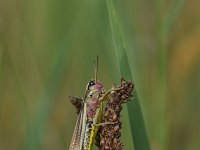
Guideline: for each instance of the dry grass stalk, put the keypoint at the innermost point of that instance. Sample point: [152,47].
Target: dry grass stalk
[110,134]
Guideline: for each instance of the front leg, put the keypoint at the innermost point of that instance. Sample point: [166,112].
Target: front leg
[77,102]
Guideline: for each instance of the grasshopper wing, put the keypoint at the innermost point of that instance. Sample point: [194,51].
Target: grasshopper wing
[78,135]
[76,138]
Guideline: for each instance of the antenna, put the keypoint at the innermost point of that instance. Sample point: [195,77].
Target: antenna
[96,67]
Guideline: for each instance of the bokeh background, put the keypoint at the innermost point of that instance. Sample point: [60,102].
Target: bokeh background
[47,49]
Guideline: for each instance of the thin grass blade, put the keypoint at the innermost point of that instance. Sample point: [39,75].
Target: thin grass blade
[138,130]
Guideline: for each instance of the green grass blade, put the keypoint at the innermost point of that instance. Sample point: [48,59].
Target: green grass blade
[138,130]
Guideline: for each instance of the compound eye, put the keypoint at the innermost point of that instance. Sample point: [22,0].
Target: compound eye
[91,83]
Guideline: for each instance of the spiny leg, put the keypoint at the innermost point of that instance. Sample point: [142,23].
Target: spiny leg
[114,89]
[104,123]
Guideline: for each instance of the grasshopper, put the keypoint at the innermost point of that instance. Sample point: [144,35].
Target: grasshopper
[89,111]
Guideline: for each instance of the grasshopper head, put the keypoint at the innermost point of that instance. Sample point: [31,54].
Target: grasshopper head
[94,86]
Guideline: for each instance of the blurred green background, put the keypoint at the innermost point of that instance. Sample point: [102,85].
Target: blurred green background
[47,49]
